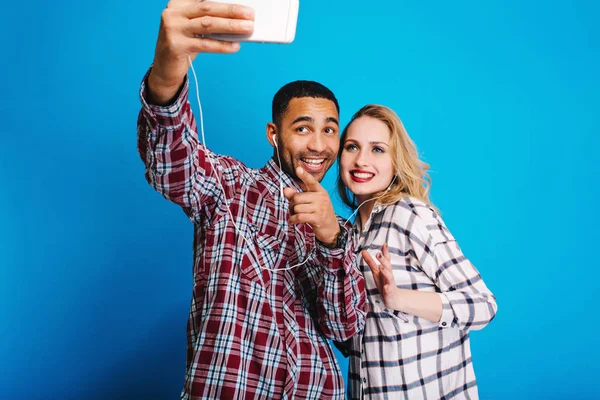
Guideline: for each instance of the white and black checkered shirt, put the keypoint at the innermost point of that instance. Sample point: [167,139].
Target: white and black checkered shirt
[401,356]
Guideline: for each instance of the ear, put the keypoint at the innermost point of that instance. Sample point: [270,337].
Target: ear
[271,133]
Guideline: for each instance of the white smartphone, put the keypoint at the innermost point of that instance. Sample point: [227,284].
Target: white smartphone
[274,21]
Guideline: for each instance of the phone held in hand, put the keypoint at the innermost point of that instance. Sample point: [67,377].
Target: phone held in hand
[274,21]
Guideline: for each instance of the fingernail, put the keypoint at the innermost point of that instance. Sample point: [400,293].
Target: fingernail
[247,25]
[235,45]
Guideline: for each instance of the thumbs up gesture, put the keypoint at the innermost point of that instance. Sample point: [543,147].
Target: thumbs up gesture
[313,207]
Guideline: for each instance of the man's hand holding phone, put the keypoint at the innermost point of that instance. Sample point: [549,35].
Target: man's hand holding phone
[183,25]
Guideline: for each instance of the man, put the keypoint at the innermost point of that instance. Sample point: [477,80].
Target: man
[274,274]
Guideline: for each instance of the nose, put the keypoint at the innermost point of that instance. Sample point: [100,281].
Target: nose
[361,159]
[317,143]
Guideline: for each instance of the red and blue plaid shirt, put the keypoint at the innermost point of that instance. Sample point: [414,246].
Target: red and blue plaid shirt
[253,333]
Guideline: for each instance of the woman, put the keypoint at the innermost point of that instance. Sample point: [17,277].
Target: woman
[425,296]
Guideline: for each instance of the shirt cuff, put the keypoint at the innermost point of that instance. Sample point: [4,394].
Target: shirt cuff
[447,318]
[334,258]
[169,115]
[329,252]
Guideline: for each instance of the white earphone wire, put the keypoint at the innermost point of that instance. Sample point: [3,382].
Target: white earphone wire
[251,246]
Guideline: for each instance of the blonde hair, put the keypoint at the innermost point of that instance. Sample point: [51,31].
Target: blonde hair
[411,178]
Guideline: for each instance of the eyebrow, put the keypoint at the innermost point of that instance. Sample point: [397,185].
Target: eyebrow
[371,143]
[379,143]
[331,119]
[311,120]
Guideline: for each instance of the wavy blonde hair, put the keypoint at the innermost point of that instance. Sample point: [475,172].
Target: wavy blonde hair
[411,174]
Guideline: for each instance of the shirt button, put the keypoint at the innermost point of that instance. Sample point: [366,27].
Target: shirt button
[443,324]
[365,380]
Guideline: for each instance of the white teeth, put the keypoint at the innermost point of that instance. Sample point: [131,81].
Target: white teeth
[362,175]
[313,162]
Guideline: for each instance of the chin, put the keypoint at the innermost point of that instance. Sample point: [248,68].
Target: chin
[356,192]
[319,176]
[365,192]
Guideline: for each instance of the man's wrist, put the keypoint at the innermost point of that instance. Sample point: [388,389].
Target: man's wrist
[159,93]
[339,239]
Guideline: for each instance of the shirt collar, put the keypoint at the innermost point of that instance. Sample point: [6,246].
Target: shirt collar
[376,210]
[276,175]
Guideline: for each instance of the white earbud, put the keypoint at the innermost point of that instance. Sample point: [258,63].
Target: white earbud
[279,158]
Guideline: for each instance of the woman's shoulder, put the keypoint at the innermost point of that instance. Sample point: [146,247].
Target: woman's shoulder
[410,208]
[419,218]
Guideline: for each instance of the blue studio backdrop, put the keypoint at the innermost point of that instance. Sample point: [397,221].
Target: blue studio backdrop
[95,267]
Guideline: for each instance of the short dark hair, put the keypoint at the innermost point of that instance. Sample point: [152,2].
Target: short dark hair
[298,89]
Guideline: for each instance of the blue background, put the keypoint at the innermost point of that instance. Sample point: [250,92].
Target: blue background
[500,97]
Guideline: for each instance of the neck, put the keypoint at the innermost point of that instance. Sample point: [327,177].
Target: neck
[365,209]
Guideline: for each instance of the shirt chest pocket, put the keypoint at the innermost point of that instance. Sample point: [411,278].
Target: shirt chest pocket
[266,247]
